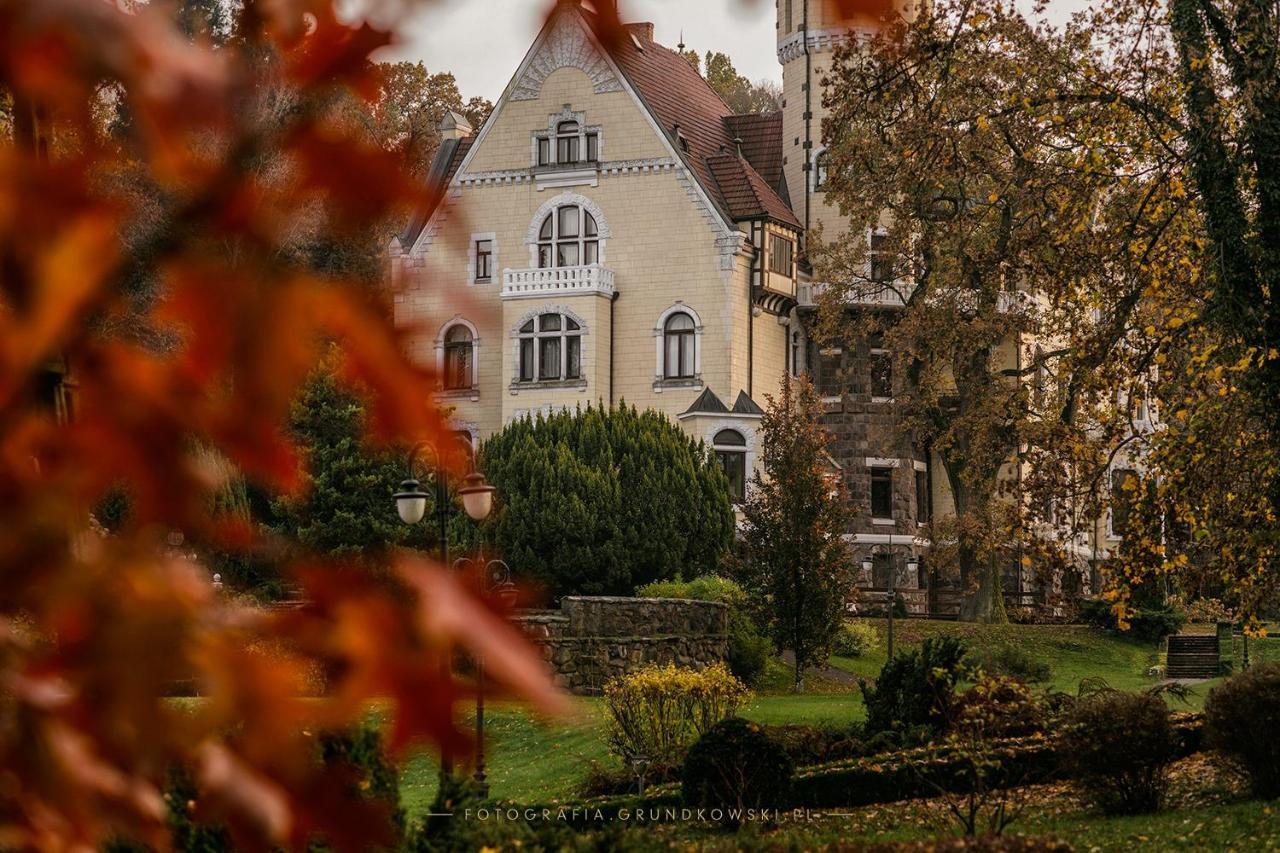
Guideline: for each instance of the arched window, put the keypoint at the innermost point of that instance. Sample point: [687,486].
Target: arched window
[678,359]
[550,349]
[731,453]
[567,142]
[569,237]
[821,163]
[459,350]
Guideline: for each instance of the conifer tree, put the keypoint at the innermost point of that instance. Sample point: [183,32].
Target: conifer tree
[796,567]
[600,501]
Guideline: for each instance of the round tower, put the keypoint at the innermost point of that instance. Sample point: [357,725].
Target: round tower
[808,33]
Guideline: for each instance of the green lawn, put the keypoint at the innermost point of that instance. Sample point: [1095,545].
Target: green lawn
[533,762]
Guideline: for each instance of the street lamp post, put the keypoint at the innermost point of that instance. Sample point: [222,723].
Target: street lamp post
[891,594]
[411,506]
[495,583]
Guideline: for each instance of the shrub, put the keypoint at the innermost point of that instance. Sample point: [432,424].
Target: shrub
[599,501]
[856,639]
[808,745]
[1013,662]
[1148,624]
[998,706]
[1208,611]
[736,766]
[749,650]
[656,713]
[1121,746]
[1242,717]
[915,688]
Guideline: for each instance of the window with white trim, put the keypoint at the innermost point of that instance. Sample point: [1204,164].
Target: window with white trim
[731,452]
[821,164]
[568,237]
[570,144]
[484,260]
[459,358]
[550,349]
[679,335]
[882,494]
[880,259]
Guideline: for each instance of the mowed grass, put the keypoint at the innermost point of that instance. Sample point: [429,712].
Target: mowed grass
[541,762]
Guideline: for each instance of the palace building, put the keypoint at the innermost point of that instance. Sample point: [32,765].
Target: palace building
[615,233]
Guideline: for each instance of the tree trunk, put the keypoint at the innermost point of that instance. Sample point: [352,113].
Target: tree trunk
[982,599]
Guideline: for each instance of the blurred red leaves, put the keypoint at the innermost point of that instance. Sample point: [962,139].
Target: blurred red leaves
[94,629]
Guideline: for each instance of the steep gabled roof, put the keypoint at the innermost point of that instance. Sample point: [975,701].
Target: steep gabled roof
[761,135]
[443,167]
[707,404]
[681,100]
[744,405]
[746,194]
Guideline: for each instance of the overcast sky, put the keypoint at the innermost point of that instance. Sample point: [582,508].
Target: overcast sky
[482,41]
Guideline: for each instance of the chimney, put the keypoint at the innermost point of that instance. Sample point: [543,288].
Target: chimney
[454,126]
[643,31]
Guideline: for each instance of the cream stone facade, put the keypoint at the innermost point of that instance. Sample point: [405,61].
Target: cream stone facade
[613,233]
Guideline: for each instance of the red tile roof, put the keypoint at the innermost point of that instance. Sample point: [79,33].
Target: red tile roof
[681,99]
[761,135]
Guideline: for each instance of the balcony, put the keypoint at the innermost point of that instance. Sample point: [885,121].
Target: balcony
[807,295]
[557,281]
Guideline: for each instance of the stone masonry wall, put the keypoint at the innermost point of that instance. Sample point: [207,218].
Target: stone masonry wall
[589,641]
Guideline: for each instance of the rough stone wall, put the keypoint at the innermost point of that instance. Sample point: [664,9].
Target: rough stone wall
[588,641]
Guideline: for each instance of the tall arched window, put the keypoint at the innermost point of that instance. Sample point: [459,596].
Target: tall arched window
[821,163]
[550,349]
[569,237]
[459,349]
[680,341]
[567,142]
[731,453]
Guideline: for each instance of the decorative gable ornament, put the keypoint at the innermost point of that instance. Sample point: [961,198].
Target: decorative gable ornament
[566,45]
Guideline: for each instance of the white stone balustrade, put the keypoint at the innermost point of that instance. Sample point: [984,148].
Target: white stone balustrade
[557,281]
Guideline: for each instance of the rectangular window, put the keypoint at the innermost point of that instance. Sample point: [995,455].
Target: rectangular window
[881,259]
[526,360]
[544,151]
[484,260]
[593,147]
[781,251]
[923,514]
[881,362]
[549,358]
[567,149]
[882,493]
[573,357]
[827,369]
[734,465]
[1123,493]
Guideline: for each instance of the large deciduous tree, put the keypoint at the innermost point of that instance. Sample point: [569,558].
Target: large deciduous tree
[796,565]
[1029,217]
[410,104]
[601,501]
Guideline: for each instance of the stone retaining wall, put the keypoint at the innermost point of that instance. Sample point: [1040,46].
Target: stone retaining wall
[591,640]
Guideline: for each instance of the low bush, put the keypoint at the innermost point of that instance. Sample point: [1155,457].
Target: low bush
[1011,661]
[807,744]
[856,639]
[1242,719]
[736,766]
[997,707]
[1148,624]
[749,649]
[915,688]
[1121,746]
[656,713]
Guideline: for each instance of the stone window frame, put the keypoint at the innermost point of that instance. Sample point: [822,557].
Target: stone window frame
[495,267]
[473,391]
[874,463]
[584,353]
[745,425]
[551,132]
[603,231]
[660,380]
